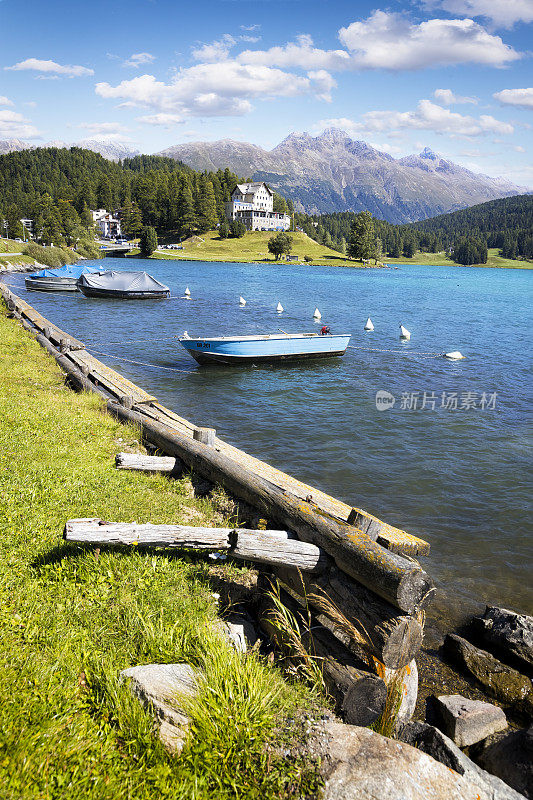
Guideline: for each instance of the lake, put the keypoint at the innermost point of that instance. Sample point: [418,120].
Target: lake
[450,461]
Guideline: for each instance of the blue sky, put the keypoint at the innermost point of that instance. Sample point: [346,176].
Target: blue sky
[454,75]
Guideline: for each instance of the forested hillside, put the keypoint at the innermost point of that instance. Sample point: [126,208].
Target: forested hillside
[506,224]
[56,188]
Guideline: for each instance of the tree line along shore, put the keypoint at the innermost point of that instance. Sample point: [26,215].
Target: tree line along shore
[57,189]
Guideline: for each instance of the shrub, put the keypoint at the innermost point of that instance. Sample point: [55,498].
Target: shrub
[223,230]
[237,229]
[148,241]
[50,256]
[308,259]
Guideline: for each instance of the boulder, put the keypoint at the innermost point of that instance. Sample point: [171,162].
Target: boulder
[468,721]
[430,740]
[363,765]
[507,630]
[502,682]
[510,757]
[162,688]
[240,635]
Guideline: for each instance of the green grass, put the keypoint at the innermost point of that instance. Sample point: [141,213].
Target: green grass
[71,618]
[252,248]
[441,260]
[10,246]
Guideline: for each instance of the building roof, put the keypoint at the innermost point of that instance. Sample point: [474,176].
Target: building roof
[252,188]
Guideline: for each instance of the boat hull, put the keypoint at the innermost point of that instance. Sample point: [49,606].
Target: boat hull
[51,284]
[267,349]
[113,294]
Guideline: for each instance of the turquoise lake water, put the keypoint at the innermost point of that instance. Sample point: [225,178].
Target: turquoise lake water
[459,477]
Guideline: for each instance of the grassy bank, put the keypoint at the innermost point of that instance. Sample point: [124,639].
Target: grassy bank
[72,618]
[441,260]
[8,249]
[27,254]
[251,248]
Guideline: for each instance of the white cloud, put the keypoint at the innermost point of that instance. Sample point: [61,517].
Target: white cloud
[38,65]
[391,149]
[164,119]
[447,98]
[250,27]
[107,128]
[137,59]
[504,13]
[252,39]
[519,148]
[427,116]
[390,41]
[221,89]
[5,101]
[214,51]
[386,40]
[15,126]
[301,53]
[515,97]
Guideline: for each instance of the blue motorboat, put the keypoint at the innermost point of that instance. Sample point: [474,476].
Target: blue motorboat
[62,279]
[268,348]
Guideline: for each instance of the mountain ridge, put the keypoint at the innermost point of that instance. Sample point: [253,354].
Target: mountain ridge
[332,172]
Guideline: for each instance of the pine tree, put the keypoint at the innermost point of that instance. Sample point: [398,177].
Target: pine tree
[185,208]
[207,206]
[148,242]
[361,243]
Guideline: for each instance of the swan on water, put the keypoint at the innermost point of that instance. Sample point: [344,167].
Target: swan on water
[242,301]
[455,355]
[317,314]
[404,333]
[279,308]
[369,326]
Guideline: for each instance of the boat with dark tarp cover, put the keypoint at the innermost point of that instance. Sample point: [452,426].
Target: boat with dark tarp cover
[267,348]
[123,286]
[62,279]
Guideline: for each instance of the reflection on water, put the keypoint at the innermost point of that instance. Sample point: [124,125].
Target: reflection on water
[454,472]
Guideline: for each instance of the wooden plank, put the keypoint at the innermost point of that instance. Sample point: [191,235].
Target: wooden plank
[265,547]
[144,463]
[40,322]
[115,383]
[401,582]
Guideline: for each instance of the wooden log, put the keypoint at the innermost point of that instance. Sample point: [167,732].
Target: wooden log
[64,345]
[359,695]
[262,547]
[94,531]
[47,332]
[144,463]
[271,547]
[394,639]
[205,436]
[127,401]
[401,582]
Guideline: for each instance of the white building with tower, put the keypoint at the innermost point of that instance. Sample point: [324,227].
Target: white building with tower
[252,204]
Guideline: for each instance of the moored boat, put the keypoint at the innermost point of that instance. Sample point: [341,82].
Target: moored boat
[267,348]
[123,286]
[62,279]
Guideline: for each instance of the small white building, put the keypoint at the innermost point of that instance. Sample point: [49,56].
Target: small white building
[107,224]
[252,204]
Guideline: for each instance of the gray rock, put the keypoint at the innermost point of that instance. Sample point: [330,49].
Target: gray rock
[468,721]
[507,630]
[363,765]
[162,688]
[502,682]
[430,740]
[240,635]
[510,757]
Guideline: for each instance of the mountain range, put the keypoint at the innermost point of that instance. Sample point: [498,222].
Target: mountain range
[332,172]
[108,148]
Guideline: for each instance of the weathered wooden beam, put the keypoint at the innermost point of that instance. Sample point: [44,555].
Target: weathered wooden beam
[400,581]
[144,463]
[205,436]
[265,547]
[394,639]
[359,695]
